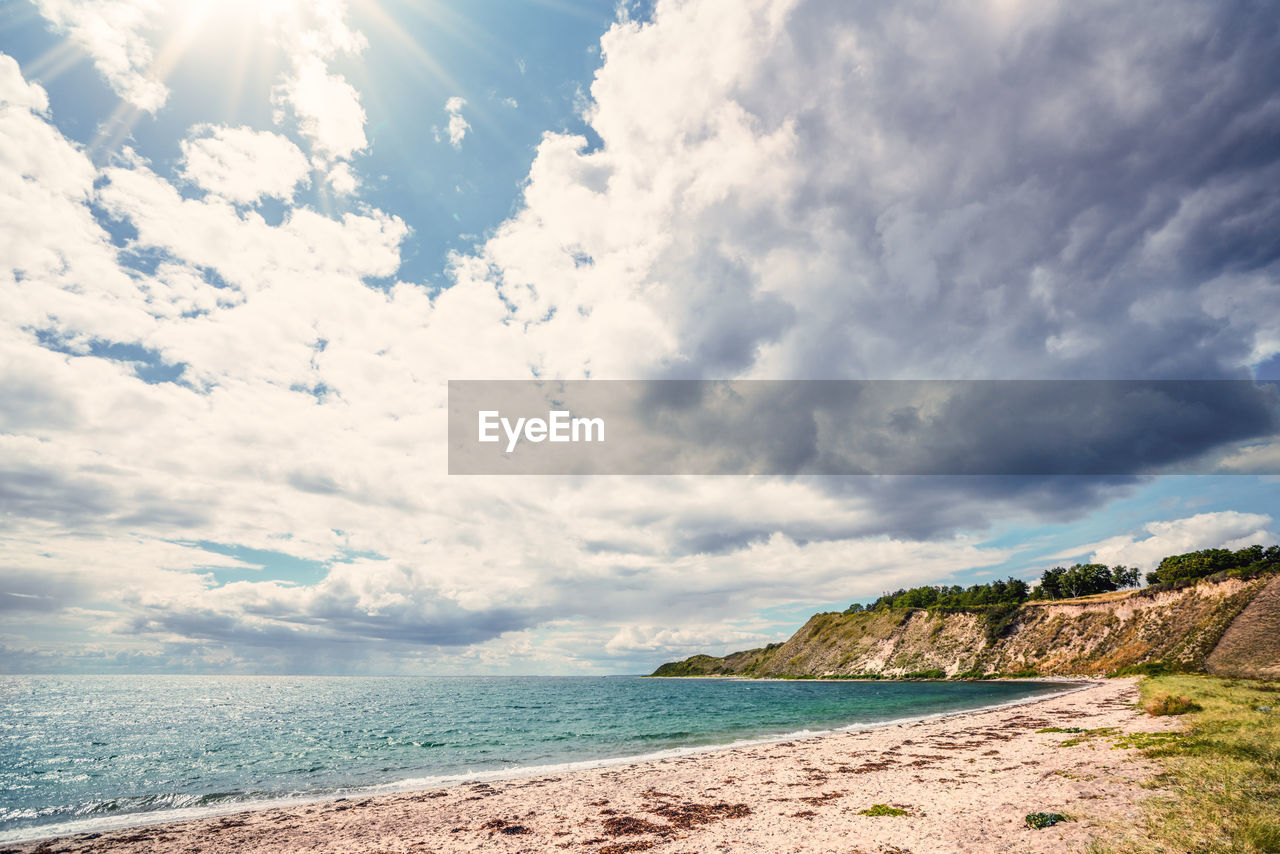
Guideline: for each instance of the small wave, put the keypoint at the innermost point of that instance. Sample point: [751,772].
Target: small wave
[153,803]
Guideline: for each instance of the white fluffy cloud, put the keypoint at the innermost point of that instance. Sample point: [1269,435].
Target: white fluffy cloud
[50,241]
[681,642]
[458,126]
[327,109]
[342,180]
[116,36]
[241,164]
[1222,530]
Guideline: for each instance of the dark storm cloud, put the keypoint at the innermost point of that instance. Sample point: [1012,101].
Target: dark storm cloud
[900,507]
[853,427]
[918,508]
[1047,192]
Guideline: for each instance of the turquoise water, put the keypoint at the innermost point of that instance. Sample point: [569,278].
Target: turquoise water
[84,752]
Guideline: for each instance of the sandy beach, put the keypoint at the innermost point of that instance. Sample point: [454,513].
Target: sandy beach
[965,783]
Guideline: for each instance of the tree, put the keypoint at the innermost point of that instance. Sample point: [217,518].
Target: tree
[1205,562]
[1195,564]
[1084,579]
[1017,589]
[1051,583]
[1124,576]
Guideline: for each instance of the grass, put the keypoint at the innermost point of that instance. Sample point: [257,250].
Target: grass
[1041,820]
[974,673]
[1220,784]
[1029,673]
[1168,704]
[1081,735]
[1146,740]
[1150,668]
[883,809]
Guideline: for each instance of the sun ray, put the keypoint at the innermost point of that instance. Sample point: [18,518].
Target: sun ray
[113,132]
[55,62]
[459,29]
[239,68]
[581,11]
[450,23]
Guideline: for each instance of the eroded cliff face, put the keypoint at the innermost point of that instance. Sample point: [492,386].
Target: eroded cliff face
[1251,644]
[1095,636]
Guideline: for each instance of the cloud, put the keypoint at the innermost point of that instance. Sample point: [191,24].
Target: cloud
[874,427]
[115,36]
[458,126]
[327,108]
[16,93]
[342,180]
[681,642]
[124,37]
[50,239]
[858,185]
[341,609]
[242,165]
[1227,529]
[771,190]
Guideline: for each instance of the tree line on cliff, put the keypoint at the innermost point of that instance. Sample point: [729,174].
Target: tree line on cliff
[1081,579]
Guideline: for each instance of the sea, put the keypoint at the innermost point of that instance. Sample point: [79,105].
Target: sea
[93,753]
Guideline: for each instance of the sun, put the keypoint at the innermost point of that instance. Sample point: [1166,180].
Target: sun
[235,48]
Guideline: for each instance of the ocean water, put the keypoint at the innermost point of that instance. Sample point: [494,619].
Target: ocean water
[81,753]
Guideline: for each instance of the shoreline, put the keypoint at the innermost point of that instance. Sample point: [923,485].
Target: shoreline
[702,791]
[132,821]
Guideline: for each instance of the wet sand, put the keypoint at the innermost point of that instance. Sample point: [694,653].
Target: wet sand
[965,782]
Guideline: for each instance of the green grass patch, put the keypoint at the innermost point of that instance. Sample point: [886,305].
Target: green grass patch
[1151,668]
[1080,735]
[883,809]
[1219,791]
[933,673]
[1041,820]
[974,673]
[1148,741]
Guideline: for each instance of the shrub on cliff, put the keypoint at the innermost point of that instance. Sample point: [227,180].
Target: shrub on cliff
[998,619]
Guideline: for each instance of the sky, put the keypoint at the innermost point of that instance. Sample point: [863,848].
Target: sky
[246,244]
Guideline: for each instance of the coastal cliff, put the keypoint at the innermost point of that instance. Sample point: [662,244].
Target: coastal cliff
[1228,627]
